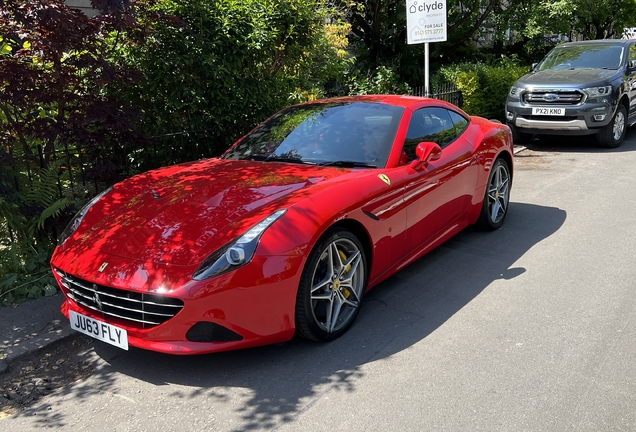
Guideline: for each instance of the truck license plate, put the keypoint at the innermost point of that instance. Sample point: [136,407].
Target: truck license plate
[548,111]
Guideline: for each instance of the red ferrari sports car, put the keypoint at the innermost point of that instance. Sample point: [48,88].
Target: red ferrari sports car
[286,231]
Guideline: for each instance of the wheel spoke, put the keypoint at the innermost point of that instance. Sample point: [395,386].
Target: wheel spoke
[326,296]
[329,275]
[351,263]
[335,259]
[494,212]
[346,300]
[323,284]
[498,178]
[333,314]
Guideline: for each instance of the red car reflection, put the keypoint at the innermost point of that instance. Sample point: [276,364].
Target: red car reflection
[286,231]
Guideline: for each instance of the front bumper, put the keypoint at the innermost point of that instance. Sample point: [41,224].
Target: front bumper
[256,306]
[551,125]
[586,119]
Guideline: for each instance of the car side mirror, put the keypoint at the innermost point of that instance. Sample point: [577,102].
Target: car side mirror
[631,65]
[426,152]
[533,67]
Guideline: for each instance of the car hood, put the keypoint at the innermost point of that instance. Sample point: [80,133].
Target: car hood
[565,78]
[178,215]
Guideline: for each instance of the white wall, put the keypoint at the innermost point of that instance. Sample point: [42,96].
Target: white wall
[83,5]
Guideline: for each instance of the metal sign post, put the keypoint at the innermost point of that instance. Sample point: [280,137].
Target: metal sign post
[426,22]
[427,91]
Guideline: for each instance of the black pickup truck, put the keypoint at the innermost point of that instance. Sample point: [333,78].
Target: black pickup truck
[579,88]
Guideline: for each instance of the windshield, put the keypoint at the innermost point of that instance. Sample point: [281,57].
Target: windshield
[583,57]
[352,133]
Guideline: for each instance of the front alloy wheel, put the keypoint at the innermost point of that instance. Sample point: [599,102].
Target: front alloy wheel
[495,205]
[612,135]
[331,287]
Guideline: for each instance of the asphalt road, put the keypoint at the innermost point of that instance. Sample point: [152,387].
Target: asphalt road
[531,327]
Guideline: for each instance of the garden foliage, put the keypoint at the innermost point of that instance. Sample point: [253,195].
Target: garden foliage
[225,65]
[484,86]
[75,89]
[54,95]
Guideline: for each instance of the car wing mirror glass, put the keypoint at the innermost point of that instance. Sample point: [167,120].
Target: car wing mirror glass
[426,152]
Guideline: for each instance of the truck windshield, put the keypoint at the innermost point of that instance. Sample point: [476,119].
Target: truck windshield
[583,57]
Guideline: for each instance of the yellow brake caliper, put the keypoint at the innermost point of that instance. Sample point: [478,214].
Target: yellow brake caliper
[345,292]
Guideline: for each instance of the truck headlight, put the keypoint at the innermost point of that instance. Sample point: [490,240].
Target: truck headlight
[594,92]
[515,92]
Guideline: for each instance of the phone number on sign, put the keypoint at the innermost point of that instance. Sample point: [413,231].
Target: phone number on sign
[428,32]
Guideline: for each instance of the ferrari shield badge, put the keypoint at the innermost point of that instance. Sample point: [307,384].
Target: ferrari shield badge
[385,179]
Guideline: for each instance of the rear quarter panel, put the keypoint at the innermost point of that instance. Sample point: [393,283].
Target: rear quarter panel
[491,140]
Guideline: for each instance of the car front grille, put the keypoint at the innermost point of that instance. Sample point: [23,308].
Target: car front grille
[553,97]
[134,309]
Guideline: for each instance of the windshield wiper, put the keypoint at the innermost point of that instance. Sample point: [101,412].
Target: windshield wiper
[349,164]
[288,160]
[274,158]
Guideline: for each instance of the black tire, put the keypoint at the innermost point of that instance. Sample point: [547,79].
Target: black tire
[333,282]
[612,135]
[517,136]
[497,197]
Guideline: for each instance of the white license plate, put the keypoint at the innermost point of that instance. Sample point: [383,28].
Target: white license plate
[99,330]
[548,111]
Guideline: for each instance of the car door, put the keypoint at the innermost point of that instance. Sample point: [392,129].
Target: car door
[437,194]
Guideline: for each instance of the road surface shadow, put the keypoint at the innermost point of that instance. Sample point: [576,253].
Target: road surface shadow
[281,380]
[579,144]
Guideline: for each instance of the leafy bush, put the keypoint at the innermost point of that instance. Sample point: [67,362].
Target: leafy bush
[380,81]
[484,87]
[225,65]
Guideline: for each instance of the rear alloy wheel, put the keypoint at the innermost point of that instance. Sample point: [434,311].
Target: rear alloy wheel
[612,135]
[331,287]
[495,205]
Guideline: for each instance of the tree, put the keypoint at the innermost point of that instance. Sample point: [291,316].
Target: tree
[378,34]
[56,93]
[593,19]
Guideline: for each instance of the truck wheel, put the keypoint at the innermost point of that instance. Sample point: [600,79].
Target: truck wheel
[612,135]
[519,137]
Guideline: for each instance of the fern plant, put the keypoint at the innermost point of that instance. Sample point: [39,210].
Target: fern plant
[28,222]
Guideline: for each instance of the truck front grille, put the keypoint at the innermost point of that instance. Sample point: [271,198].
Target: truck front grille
[553,97]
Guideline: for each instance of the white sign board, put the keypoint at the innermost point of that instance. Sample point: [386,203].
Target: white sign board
[629,33]
[425,21]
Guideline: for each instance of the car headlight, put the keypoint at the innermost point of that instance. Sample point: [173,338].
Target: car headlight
[593,92]
[237,253]
[515,92]
[77,219]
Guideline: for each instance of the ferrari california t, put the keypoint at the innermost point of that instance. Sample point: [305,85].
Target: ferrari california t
[285,232]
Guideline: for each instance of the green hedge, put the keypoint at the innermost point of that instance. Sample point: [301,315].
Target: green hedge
[484,87]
